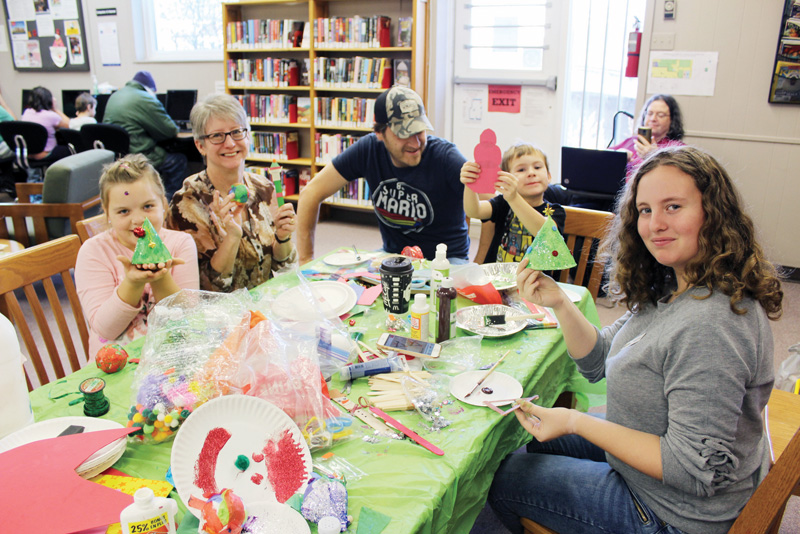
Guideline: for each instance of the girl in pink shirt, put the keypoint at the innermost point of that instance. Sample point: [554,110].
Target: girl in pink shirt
[117,296]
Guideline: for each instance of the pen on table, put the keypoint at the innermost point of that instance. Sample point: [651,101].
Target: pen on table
[490,371]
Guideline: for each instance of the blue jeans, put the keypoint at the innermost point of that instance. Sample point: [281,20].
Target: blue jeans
[173,172]
[567,485]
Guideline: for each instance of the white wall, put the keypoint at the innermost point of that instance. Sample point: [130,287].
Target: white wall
[196,75]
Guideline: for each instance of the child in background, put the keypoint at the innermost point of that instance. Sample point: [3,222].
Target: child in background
[518,211]
[85,110]
[117,296]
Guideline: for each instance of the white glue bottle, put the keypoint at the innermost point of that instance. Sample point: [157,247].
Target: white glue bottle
[149,513]
[420,317]
[440,269]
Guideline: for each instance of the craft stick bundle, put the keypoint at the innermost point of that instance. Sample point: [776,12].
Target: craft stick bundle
[386,390]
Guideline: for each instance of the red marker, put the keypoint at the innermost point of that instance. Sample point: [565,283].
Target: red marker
[407,431]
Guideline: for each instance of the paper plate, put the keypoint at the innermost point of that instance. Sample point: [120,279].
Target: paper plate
[502,275]
[345,259]
[276,518]
[334,298]
[51,428]
[279,459]
[472,319]
[504,388]
[573,296]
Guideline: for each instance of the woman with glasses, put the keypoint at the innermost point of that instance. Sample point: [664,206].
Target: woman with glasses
[240,242]
[663,116]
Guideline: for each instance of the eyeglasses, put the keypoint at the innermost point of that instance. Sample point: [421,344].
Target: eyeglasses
[217,138]
[661,115]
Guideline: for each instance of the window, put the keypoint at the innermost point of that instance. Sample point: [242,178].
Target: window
[504,40]
[178,30]
[596,87]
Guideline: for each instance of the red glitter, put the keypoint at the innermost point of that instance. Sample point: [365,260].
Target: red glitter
[555,253]
[285,466]
[257,478]
[139,231]
[206,465]
[258,457]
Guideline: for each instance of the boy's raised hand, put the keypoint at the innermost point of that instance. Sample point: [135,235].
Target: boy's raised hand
[469,172]
[506,185]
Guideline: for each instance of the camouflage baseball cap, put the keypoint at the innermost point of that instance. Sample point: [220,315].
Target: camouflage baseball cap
[402,109]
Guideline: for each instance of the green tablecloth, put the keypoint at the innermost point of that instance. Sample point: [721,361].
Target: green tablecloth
[421,492]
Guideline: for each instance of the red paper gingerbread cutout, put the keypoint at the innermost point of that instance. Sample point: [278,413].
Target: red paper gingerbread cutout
[488,155]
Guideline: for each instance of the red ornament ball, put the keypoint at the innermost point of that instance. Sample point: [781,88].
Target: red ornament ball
[413,252]
[138,231]
[352,322]
[555,253]
[111,358]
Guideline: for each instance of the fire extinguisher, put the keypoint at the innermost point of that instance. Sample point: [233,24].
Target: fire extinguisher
[634,47]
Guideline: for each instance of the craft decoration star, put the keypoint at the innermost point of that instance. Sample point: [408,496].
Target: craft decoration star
[548,211]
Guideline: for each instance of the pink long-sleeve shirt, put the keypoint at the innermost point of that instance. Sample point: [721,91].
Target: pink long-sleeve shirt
[98,273]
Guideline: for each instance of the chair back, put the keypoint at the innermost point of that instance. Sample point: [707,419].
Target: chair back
[591,226]
[92,226]
[70,138]
[47,265]
[25,138]
[109,136]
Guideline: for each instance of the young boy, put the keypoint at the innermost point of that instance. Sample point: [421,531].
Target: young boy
[85,110]
[518,211]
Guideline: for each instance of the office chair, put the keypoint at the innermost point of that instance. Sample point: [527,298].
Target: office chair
[26,138]
[71,138]
[109,136]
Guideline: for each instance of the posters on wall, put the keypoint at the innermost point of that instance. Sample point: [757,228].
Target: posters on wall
[785,85]
[682,73]
[46,34]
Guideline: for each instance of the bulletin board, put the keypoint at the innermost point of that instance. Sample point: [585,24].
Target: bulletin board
[47,35]
[785,87]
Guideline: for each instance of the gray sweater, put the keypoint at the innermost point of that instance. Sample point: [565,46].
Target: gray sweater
[699,376]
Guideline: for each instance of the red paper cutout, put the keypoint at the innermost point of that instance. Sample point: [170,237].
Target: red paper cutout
[40,478]
[488,155]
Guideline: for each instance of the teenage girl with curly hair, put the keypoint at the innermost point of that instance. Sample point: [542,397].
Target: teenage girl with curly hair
[689,369]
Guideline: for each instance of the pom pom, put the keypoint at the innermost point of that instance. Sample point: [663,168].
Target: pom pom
[240,193]
[111,358]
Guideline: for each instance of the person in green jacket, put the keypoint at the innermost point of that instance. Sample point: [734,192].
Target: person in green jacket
[136,108]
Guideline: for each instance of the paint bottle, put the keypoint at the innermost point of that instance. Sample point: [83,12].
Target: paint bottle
[371,367]
[420,317]
[149,514]
[446,314]
[440,269]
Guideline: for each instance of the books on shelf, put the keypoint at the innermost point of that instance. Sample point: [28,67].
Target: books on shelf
[327,146]
[402,72]
[344,112]
[353,32]
[356,72]
[304,110]
[355,192]
[277,145]
[269,108]
[404,27]
[263,72]
[264,33]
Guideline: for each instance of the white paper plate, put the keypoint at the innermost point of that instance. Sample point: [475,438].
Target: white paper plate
[334,299]
[472,319]
[51,428]
[252,424]
[345,259]
[503,386]
[276,518]
[502,275]
[573,296]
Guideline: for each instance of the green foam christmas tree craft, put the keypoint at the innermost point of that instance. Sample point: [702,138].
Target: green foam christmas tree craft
[149,247]
[549,252]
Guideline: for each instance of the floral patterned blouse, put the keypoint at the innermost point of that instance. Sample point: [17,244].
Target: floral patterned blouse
[190,211]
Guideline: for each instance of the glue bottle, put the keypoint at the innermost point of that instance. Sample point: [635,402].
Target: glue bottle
[149,514]
[440,269]
[446,315]
[420,317]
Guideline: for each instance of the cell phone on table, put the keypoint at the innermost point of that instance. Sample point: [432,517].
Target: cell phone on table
[646,132]
[410,346]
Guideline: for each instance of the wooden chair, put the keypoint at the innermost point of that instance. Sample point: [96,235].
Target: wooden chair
[591,225]
[91,227]
[69,194]
[763,512]
[45,263]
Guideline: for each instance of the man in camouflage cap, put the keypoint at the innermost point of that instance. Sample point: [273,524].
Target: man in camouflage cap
[413,181]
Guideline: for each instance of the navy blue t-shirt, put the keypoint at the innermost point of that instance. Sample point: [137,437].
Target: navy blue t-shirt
[422,205]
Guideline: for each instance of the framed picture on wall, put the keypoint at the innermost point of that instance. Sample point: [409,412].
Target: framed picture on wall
[785,84]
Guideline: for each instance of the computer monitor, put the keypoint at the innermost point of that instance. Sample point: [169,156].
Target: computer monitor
[26,96]
[68,97]
[162,97]
[179,105]
[102,100]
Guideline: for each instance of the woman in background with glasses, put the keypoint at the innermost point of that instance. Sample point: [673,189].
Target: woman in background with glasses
[662,115]
[240,242]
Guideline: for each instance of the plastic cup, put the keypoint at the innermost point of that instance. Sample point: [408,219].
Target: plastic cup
[396,274]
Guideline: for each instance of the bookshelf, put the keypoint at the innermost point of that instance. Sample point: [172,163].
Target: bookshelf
[318,90]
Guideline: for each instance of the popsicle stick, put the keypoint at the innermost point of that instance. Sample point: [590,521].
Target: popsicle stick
[490,371]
